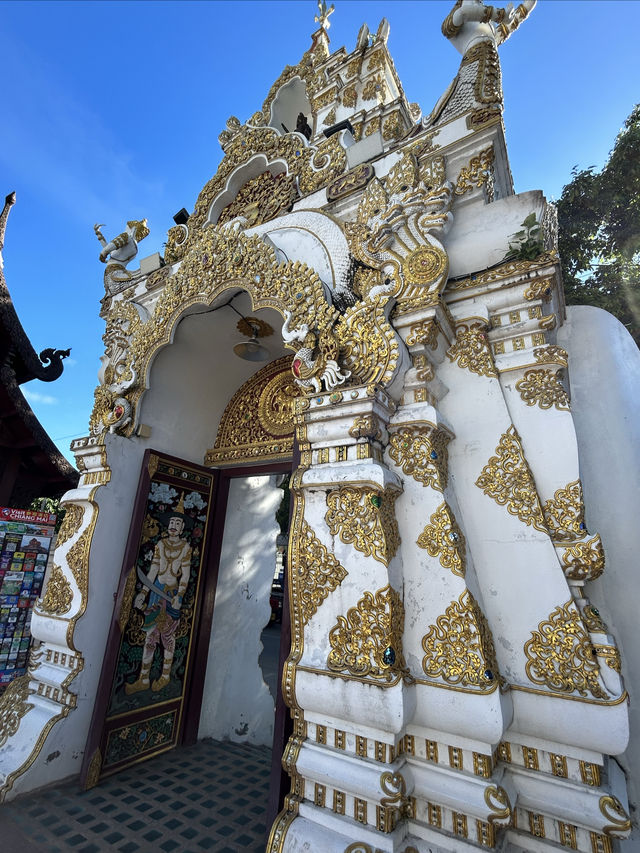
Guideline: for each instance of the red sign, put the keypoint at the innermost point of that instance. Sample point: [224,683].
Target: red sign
[9,514]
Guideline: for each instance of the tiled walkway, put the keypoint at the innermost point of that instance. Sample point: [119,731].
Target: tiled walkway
[210,796]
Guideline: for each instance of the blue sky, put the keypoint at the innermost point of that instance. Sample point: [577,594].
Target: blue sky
[112,110]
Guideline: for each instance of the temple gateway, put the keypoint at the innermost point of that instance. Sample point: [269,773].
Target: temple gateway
[360,300]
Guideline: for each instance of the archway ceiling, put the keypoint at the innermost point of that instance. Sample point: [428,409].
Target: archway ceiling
[192,380]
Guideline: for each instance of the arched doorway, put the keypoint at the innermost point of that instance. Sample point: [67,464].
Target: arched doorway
[219,689]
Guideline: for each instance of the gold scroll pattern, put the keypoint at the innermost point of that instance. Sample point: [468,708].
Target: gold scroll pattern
[70,524]
[318,572]
[78,559]
[611,655]
[619,822]
[354,180]
[367,642]
[425,332]
[560,655]
[476,173]
[551,353]
[564,513]
[584,561]
[261,199]
[543,388]
[507,479]
[58,595]
[368,344]
[505,271]
[13,707]
[421,451]
[499,805]
[443,538]
[459,647]
[471,350]
[365,518]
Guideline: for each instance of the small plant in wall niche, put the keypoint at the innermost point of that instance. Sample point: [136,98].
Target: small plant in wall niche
[526,245]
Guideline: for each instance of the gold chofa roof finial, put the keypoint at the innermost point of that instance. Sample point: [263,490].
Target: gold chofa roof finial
[322,17]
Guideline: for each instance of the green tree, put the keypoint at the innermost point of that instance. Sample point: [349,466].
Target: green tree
[49,505]
[599,231]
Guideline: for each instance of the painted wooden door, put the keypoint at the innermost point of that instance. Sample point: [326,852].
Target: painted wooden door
[144,692]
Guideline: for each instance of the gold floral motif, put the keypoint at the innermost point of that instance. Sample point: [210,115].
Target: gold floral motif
[374,88]
[365,518]
[421,450]
[376,61]
[366,426]
[323,100]
[560,655]
[611,655]
[261,199]
[175,245]
[13,707]
[392,127]
[71,523]
[507,479]
[354,67]
[459,647]
[58,594]
[351,181]
[551,353]
[547,323]
[367,642]
[564,513]
[471,350]
[318,572]
[476,173]
[544,389]
[541,288]
[584,561]
[78,559]
[443,538]
[330,118]
[350,97]
[425,332]
[613,811]
[373,126]
[258,421]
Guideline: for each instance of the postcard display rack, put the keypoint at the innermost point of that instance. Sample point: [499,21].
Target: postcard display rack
[25,542]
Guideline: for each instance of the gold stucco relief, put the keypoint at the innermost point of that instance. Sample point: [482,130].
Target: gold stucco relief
[443,538]
[367,642]
[365,518]
[507,479]
[560,655]
[459,647]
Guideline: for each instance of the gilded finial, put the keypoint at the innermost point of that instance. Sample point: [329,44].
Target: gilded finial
[9,201]
[322,17]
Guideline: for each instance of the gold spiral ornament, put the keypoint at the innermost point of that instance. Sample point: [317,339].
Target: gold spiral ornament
[425,265]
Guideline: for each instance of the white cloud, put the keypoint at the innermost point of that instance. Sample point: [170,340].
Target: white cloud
[37,397]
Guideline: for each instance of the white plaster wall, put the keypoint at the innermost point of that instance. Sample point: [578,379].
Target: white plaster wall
[604,371]
[237,704]
[479,237]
